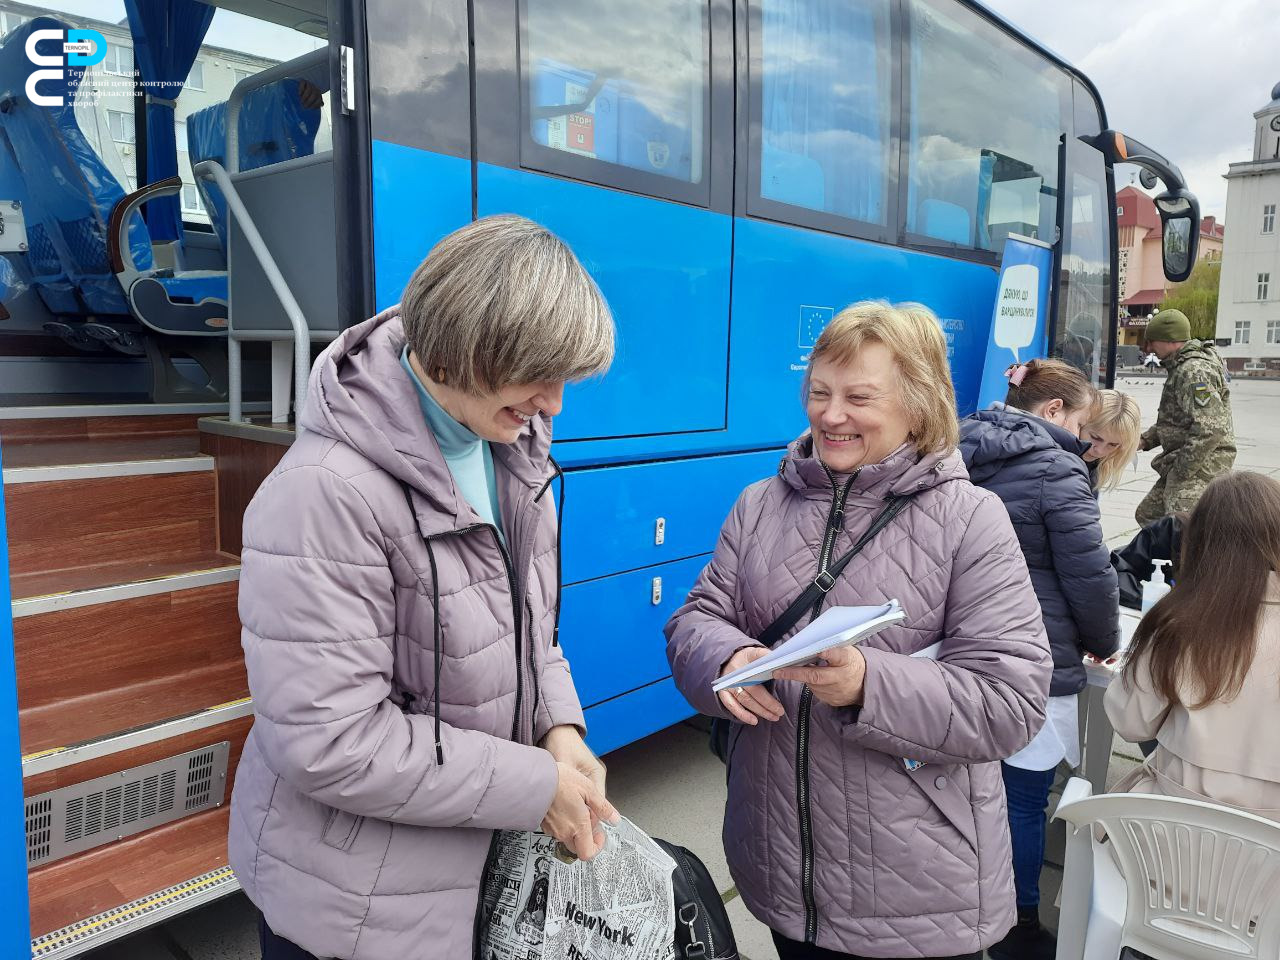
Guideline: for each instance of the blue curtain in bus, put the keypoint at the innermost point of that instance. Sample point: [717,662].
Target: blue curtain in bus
[824,107]
[166,38]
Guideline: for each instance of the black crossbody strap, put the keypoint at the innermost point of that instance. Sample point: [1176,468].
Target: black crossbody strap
[827,579]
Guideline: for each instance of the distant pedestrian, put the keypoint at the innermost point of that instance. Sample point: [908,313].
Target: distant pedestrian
[1193,428]
[1151,362]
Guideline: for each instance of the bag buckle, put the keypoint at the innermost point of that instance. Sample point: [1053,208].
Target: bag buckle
[695,948]
[824,585]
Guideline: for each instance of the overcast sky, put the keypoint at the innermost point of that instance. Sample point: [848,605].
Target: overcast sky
[1183,76]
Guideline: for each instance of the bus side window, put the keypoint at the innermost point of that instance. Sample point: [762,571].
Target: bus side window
[824,101]
[622,83]
[985,116]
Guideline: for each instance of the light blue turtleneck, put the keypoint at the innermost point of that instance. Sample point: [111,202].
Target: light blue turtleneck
[469,458]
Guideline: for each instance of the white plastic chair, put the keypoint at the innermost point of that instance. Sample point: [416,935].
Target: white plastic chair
[1176,879]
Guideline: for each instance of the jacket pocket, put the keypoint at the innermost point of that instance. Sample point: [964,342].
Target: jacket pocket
[947,787]
[341,829]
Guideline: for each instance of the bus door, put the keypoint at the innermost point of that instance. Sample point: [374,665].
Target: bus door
[611,124]
[1085,308]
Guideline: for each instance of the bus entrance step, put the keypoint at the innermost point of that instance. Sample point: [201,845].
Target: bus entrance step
[102,928]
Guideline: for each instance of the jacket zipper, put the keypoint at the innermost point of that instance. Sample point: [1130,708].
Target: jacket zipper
[835,520]
[533,671]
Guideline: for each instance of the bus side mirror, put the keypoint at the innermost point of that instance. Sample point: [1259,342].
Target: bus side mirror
[1179,209]
[1180,236]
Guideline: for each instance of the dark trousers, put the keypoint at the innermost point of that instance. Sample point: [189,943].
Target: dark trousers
[276,947]
[791,950]
[1027,792]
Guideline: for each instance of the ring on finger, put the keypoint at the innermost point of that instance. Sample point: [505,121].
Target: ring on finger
[739,691]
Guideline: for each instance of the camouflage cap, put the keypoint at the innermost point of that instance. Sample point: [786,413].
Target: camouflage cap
[1171,325]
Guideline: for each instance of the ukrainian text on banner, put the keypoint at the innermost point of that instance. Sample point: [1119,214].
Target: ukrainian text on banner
[1020,319]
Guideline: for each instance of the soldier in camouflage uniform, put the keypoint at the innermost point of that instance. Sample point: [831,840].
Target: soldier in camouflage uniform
[1193,428]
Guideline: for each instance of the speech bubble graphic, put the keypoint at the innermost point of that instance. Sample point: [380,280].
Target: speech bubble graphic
[1016,307]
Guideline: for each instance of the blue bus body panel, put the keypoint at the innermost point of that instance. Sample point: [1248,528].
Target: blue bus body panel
[15,935]
[615,723]
[788,282]
[695,407]
[611,513]
[664,268]
[418,197]
[612,630]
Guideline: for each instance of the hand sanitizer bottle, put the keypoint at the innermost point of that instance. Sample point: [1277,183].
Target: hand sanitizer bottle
[1156,587]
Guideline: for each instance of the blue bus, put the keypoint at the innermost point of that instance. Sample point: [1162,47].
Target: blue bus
[732,172]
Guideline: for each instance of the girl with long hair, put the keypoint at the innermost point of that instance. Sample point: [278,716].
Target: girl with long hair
[1113,436]
[1202,675]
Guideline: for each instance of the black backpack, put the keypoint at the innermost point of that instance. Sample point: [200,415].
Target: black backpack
[702,925]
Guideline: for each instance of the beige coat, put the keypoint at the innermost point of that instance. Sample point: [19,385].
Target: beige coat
[1213,753]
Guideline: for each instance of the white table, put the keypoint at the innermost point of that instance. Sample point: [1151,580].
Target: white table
[1097,734]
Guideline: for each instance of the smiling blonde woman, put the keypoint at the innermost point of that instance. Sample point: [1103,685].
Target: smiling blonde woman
[866,814]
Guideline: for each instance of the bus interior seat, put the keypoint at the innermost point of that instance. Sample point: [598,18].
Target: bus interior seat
[792,178]
[18,270]
[78,199]
[70,193]
[946,221]
[274,126]
[292,206]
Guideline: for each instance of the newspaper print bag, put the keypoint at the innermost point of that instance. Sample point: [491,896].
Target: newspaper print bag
[538,903]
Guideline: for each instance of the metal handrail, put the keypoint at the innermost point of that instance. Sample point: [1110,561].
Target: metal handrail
[280,71]
[212,170]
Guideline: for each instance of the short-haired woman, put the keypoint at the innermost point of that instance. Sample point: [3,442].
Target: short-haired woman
[1202,677]
[399,599]
[865,814]
[1113,435]
[1028,452]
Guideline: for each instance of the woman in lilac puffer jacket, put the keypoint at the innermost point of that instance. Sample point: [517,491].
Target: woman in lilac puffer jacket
[866,813]
[399,598]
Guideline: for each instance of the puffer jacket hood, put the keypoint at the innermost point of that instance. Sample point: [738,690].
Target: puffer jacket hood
[348,400]
[401,660]
[1037,469]
[993,437]
[879,860]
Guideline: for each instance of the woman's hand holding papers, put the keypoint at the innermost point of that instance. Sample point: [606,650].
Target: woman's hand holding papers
[839,683]
[750,704]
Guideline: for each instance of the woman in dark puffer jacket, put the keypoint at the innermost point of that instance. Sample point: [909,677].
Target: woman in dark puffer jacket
[1028,452]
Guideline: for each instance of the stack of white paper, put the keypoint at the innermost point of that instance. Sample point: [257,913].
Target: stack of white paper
[837,627]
